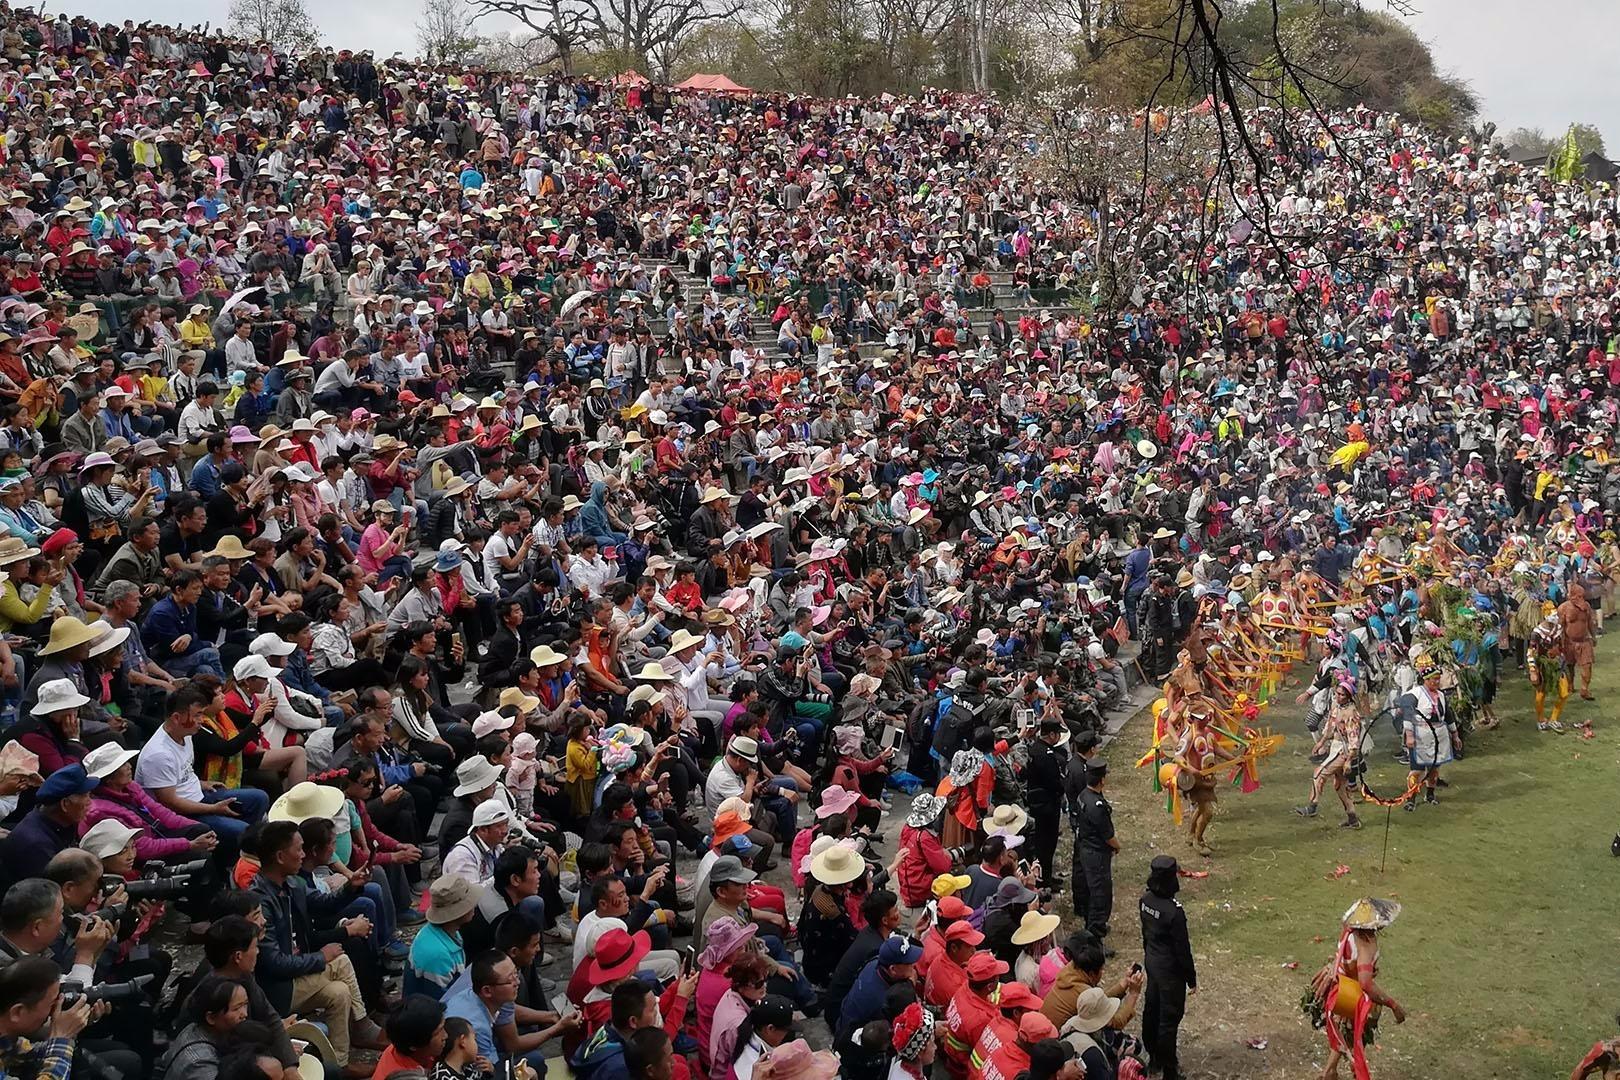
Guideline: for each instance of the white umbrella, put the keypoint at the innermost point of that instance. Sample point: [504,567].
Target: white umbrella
[574,301]
[239,297]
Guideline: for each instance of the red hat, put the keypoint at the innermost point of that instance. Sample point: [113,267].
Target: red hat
[953,908]
[1015,995]
[1034,1026]
[983,966]
[616,955]
[963,931]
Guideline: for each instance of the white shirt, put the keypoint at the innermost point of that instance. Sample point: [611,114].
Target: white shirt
[498,547]
[471,861]
[164,763]
[722,784]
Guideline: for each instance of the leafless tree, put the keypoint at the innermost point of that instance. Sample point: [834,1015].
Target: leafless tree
[286,24]
[641,33]
[443,32]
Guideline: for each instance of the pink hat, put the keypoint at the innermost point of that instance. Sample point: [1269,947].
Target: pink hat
[796,1061]
[836,800]
[241,434]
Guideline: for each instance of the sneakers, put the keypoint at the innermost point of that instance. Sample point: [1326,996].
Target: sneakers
[1351,822]
[410,917]
[398,949]
[1308,810]
[1431,797]
[1550,725]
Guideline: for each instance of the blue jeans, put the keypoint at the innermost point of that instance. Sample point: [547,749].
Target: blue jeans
[802,992]
[251,804]
[375,904]
[785,812]
[396,566]
[204,660]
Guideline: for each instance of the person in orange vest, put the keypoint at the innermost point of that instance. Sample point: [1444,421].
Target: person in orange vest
[1012,1057]
[948,973]
[970,1009]
[1014,1003]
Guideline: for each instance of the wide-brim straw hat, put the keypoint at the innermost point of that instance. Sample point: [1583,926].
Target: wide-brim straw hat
[1370,913]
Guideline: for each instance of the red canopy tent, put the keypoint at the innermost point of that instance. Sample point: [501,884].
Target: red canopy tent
[714,84]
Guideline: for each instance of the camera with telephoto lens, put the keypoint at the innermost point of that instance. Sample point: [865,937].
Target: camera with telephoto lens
[152,887]
[113,993]
[185,869]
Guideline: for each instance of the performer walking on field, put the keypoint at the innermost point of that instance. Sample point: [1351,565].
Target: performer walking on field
[1341,738]
[1345,996]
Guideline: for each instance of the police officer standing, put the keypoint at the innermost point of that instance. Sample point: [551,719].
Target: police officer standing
[1043,795]
[1170,973]
[1094,848]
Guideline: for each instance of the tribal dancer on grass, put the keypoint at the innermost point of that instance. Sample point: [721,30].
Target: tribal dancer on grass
[1200,751]
[1341,737]
[1430,731]
[1345,996]
[1546,665]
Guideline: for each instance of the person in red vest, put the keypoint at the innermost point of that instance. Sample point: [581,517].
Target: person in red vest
[1014,1002]
[1012,1056]
[970,1009]
[948,973]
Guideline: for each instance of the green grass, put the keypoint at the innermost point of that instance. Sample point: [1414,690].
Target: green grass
[1504,955]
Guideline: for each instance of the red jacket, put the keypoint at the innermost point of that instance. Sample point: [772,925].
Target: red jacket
[926,862]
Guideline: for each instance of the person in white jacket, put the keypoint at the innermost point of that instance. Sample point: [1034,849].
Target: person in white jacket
[294,709]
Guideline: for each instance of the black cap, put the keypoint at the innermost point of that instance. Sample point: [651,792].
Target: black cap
[1096,769]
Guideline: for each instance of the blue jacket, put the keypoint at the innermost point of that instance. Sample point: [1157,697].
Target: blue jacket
[297,674]
[865,999]
[165,623]
[593,517]
[602,1057]
[205,477]
[32,844]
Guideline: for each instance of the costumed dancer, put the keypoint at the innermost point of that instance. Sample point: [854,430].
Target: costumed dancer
[1196,760]
[1545,665]
[1345,997]
[1341,738]
[1430,732]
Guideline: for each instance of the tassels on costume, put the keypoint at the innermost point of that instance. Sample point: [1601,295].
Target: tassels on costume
[1358,1021]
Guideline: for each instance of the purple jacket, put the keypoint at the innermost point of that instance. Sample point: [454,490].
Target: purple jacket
[135,809]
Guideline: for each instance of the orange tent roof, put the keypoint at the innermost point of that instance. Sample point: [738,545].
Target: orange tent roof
[718,84]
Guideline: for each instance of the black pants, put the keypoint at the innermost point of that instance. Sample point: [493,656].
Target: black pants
[1093,880]
[1164,1002]
[1043,838]
[359,675]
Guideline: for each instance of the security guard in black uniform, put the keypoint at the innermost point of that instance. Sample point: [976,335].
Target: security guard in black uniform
[1167,955]
[1094,848]
[1043,796]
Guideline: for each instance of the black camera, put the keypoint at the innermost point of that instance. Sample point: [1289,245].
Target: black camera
[185,869]
[112,993]
[154,888]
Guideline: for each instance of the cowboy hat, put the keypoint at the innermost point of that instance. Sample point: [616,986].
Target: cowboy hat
[14,550]
[1093,1010]
[108,639]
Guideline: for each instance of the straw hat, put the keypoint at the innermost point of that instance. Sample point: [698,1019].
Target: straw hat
[651,672]
[305,801]
[683,639]
[838,865]
[68,632]
[1093,1010]
[1006,820]
[14,550]
[545,656]
[229,547]
[1033,927]
[1370,913]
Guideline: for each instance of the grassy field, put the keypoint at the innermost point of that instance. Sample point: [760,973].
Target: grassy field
[1505,953]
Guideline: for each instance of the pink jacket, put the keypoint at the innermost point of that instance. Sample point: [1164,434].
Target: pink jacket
[135,809]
